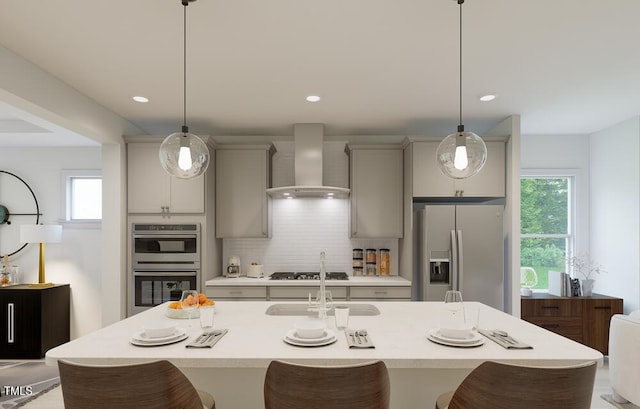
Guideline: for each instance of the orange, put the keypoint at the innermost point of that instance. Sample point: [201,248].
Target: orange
[202,298]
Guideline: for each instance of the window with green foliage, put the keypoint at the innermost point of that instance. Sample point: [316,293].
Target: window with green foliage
[546,225]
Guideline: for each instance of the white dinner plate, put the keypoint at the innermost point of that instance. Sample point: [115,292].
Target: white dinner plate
[151,342]
[292,339]
[326,335]
[473,337]
[476,342]
[142,336]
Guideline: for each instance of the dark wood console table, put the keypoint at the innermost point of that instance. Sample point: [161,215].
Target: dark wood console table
[582,319]
[33,320]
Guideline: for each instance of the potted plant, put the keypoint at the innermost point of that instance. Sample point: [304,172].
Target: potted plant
[585,267]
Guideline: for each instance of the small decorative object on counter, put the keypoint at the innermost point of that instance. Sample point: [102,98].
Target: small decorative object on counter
[385,261]
[357,271]
[5,272]
[358,254]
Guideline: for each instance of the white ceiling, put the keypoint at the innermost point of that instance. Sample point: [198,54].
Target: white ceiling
[382,67]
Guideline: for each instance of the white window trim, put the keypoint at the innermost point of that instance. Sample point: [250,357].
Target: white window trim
[66,175]
[577,178]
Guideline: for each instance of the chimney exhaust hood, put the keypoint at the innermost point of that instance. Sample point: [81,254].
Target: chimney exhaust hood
[307,158]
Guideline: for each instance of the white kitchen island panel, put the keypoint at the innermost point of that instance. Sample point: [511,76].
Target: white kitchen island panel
[233,371]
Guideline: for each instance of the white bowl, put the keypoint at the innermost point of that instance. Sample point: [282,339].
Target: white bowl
[159,329]
[310,328]
[457,330]
[182,314]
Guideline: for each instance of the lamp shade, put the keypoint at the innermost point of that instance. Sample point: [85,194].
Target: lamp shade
[40,233]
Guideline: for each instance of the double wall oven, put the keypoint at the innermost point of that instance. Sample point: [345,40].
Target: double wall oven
[165,259]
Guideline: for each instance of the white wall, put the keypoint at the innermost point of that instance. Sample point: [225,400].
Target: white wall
[77,259]
[615,210]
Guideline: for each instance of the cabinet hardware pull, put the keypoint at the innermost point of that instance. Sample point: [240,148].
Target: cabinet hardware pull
[550,326]
[235,292]
[11,323]
[380,292]
[603,308]
[550,307]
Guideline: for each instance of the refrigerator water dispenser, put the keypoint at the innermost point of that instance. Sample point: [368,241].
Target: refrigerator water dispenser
[439,271]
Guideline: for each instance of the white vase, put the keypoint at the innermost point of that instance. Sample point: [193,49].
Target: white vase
[587,287]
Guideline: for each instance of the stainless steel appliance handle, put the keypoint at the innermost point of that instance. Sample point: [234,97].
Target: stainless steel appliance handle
[138,273]
[165,236]
[453,267]
[11,323]
[460,261]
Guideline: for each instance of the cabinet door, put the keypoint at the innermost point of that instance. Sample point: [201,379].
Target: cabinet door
[241,198]
[429,181]
[490,181]
[376,193]
[21,324]
[597,318]
[187,195]
[148,183]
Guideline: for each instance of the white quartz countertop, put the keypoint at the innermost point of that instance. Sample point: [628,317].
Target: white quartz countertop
[255,339]
[363,281]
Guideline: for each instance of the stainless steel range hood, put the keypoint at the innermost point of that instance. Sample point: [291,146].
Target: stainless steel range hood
[307,158]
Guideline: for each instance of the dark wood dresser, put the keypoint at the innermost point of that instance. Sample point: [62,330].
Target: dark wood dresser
[33,320]
[582,319]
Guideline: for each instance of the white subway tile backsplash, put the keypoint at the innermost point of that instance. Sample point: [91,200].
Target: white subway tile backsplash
[302,228]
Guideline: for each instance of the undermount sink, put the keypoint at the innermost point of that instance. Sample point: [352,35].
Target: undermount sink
[302,309]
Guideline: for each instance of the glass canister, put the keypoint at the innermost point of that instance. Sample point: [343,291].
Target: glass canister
[371,256]
[385,262]
[371,269]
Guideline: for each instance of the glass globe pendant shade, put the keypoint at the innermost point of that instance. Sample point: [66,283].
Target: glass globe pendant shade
[184,155]
[461,154]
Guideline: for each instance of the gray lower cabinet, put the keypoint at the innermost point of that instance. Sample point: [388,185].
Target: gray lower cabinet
[380,293]
[238,293]
[302,293]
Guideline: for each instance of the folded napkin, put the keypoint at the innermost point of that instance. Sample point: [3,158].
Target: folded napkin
[358,339]
[207,339]
[506,342]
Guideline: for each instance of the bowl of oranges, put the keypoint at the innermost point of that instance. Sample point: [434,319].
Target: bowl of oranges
[175,310]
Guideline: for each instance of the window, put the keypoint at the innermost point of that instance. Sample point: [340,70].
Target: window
[83,198]
[546,223]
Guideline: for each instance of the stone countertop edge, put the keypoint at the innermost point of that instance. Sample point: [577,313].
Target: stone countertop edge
[388,281]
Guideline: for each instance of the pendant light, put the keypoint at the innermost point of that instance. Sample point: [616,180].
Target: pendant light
[461,154]
[183,154]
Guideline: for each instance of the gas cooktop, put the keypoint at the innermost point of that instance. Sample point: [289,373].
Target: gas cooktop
[286,275]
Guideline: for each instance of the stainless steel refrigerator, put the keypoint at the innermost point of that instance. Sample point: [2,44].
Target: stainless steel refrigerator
[461,247]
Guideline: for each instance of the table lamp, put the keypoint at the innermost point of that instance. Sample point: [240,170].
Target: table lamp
[41,233]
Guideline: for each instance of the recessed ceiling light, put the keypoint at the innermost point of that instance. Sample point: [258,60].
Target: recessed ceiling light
[313,98]
[488,97]
[139,98]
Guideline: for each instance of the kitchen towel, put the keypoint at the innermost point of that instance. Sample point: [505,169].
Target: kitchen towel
[358,338]
[506,342]
[207,339]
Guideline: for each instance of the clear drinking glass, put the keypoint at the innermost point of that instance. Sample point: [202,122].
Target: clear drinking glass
[189,302]
[453,303]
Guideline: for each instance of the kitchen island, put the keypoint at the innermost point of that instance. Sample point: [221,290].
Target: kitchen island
[233,370]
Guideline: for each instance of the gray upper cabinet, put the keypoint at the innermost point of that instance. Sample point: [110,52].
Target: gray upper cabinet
[376,191]
[429,181]
[242,177]
[150,189]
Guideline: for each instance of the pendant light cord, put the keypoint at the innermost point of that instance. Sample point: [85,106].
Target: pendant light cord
[460,126]
[185,3]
